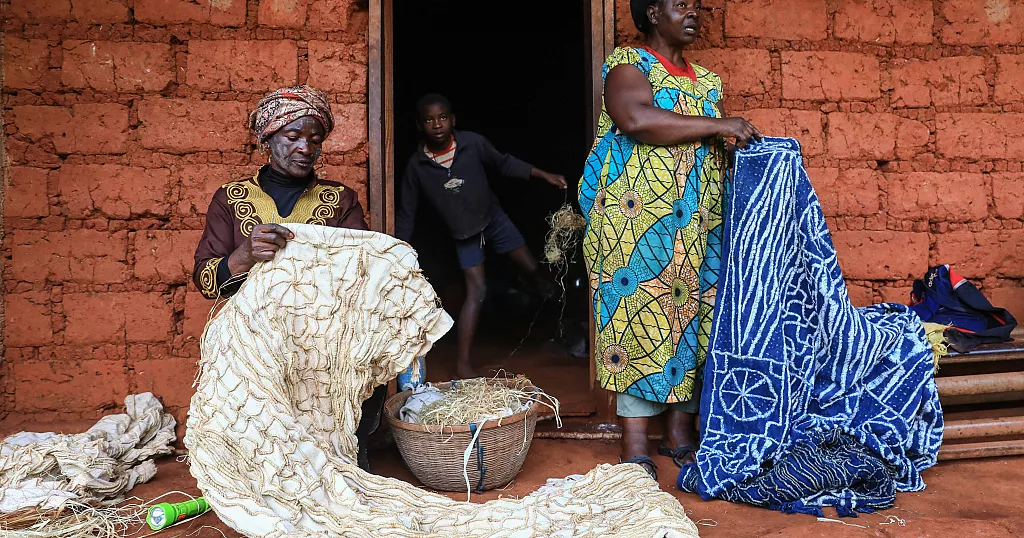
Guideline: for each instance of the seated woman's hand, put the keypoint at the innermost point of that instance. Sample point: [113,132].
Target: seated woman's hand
[261,245]
[740,129]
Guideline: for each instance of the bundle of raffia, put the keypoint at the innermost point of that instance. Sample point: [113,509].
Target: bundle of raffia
[285,366]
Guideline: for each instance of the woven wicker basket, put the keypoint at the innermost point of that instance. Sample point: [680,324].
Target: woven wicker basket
[435,456]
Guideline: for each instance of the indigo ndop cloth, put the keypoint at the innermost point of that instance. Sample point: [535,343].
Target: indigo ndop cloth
[808,401]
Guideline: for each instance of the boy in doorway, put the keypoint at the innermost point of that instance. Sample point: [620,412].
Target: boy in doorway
[449,169]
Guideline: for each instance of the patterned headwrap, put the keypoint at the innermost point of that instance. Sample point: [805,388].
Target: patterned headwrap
[281,107]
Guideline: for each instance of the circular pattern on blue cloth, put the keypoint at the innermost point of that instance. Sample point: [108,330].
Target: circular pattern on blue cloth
[682,213]
[625,281]
[675,371]
[747,395]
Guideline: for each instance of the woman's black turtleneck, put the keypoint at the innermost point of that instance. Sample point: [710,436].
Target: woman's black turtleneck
[284,189]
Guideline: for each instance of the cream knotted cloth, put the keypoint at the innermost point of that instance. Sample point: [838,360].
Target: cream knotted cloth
[287,362]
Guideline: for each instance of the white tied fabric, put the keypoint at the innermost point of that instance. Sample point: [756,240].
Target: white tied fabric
[42,470]
[287,362]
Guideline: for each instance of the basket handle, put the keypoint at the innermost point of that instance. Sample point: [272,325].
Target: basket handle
[480,467]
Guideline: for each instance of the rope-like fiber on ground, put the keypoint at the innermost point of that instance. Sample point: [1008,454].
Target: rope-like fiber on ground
[285,366]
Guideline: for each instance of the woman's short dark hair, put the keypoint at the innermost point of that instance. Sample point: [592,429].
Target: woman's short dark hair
[638,9]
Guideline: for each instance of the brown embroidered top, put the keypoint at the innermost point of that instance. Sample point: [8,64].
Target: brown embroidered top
[265,198]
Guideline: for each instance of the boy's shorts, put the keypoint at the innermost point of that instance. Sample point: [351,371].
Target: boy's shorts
[501,234]
[629,406]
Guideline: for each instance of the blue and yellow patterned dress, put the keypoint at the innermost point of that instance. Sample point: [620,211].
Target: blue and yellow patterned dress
[654,240]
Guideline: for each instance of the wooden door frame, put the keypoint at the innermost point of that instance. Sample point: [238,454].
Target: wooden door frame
[600,40]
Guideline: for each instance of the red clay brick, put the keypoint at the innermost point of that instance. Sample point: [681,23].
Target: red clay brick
[881,255]
[164,256]
[776,19]
[34,11]
[973,135]
[27,317]
[217,12]
[283,13]
[25,194]
[1008,195]
[98,257]
[337,67]
[186,126]
[846,193]
[860,295]
[200,181]
[883,22]
[350,128]
[995,22]
[1010,298]
[98,318]
[100,11]
[943,82]
[873,136]
[248,66]
[86,128]
[745,72]
[1010,78]
[117,66]
[26,62]
[83,256]
[982,254]
[829,76]
[115,191]
[804,125]
[329,15]
[197,313]
[896,294]
[168,379]
[926,196]
[78,385]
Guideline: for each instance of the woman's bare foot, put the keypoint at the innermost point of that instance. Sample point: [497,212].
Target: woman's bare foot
[682,441]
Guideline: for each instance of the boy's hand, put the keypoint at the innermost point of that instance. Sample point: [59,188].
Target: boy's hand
[555,179]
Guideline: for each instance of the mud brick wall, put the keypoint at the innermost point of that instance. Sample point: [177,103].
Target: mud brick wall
[911,118]
[122,116]
[121,119]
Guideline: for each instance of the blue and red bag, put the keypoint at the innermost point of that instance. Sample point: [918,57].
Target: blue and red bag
[945,297]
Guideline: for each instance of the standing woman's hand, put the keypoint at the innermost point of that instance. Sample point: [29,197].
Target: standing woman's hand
[261,245]
[740,129]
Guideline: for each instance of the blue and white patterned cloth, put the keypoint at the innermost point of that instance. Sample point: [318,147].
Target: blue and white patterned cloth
[808,401]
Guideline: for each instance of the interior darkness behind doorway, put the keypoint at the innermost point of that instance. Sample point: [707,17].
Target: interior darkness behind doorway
[517,75]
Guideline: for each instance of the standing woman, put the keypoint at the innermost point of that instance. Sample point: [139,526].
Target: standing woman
[243,224]
[652,193]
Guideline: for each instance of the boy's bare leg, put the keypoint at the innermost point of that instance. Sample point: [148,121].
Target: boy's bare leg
[528,264]
[476,291]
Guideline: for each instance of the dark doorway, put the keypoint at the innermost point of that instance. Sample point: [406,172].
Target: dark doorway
[520,77]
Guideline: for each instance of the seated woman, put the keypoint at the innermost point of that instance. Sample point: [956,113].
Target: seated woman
[243,223]
[652,192]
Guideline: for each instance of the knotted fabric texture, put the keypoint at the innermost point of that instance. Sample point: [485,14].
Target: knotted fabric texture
[287,362]
[808,402]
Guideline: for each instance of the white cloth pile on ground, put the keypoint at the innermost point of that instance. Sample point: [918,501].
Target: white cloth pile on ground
[43,470]
[287,362]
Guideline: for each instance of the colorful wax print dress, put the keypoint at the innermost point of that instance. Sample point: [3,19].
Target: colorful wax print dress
[653,240]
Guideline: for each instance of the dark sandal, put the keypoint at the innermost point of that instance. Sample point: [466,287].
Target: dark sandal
[678,453]
[645,462]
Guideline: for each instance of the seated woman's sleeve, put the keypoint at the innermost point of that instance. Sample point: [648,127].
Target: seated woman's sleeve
[211,272]
[627,56]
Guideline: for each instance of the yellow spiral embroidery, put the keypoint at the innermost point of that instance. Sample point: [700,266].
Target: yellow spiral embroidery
[208,278]
[252,206]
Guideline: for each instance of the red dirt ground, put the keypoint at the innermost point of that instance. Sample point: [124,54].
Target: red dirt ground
[977,498]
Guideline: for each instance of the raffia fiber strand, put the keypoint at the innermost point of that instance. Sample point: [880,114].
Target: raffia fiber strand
[286,364]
